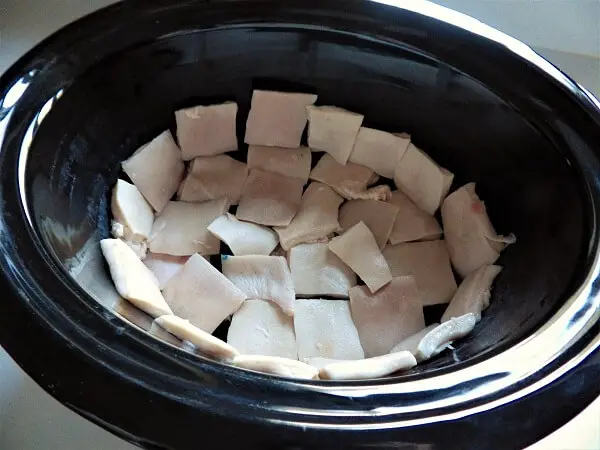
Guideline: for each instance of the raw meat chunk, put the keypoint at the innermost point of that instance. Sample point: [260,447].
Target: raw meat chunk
[378,216]
[411,343]
[392,314]
[181,229]
[412,224]
[277,119]
[132,211]
[444,334]
[429,263]
[206,343]
[379,366]
[333,130]
[473,294]
[289,162]
[379,150]
[133,281]
[324,328]
[259,327]
[202,294]
[270,199]
[244,238]
[470,236]
[317,271]
[156,170]
[213,177]
[422,180]
[164,267]
[359,250]
[316,218]
[274,365]
[263,278]
[207,130]
[348,180]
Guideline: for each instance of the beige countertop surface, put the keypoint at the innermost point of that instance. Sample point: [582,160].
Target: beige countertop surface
[567,32]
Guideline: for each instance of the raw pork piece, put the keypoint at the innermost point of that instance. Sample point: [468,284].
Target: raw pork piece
[422,180]
[181,229]
[132,279]
[270,199]
[429,263]
[348,180]
[412,224]
[213,177]
[156,170]
[359,250]
[274,365]
[470,236]
[262,277]
[130,209]
[376,367]
[444,334]
[379,150]
[473,294]
[392,314]
[378,216]
[411,343]
[164,267]
[207,130]
[202,294]
[324,328]
[244,238]
[316,218]
[259,327]
[333,130]
[317,271]
[277,119]
[289,162]
[206,343]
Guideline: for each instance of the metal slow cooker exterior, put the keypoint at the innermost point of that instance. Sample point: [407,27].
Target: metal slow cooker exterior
[116,376]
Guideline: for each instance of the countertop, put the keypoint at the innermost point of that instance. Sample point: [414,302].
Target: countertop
[567,32]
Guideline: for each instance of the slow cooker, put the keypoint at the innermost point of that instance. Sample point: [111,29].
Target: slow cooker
[483,104]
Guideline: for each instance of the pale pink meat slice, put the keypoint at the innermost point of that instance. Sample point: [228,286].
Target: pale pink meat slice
[444,334]
[411,343]
[181,229]
[263,278]
[164,267]
[316,218]
[277,119]
[244,238]
[473,294]
[422,180]
[379,150]
[207,130]
[270,199]
[347,180]
[358,249]
[318,272]
[383,319]
[156,169]
[259,327]
[429,263]
[324,328]
[132,279]
[130,209]
[274,365]
[289,162]
[365,369]
[412,223]
[205,342]
[378,216]
[202,294]
[213,177]
[470,236]
[333,130]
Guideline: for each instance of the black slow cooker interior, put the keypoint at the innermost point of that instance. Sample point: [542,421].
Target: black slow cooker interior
[123,101]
